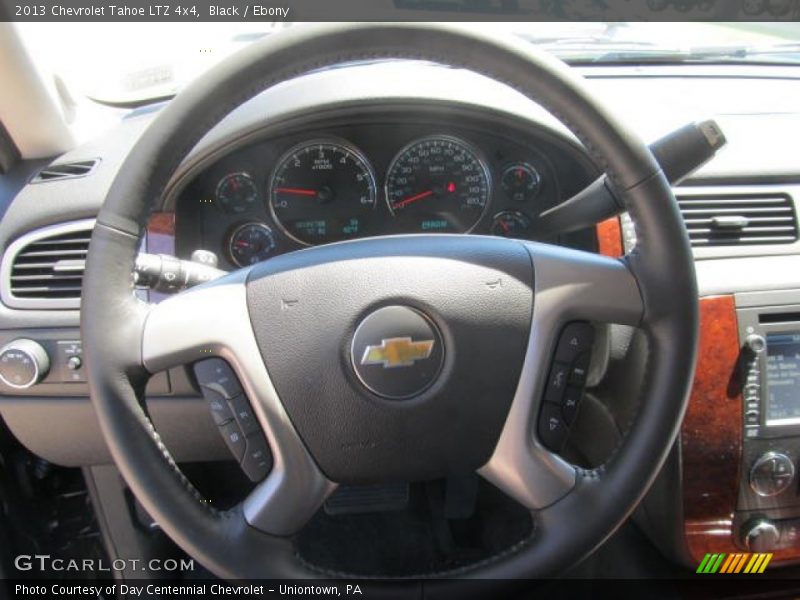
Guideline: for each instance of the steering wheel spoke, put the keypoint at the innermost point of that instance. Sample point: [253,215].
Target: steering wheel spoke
[213,320]
[570,285]
[573,284]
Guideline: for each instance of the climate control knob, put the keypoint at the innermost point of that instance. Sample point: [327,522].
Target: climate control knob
[23,363]
[771,474]
[760,536]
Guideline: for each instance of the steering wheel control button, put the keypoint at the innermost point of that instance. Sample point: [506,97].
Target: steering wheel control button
[771,474]
[569,406]
[243,413]
[397,352]
[576,338]
[217,406]
[556,383]
[234,439]
[552,427]
[564,390]
[214,373]
[23,363]
[234,416]
[580,370]
[257,460]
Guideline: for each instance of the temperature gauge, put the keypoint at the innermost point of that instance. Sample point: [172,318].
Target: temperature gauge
[510,224]
[521,182]
[251,243]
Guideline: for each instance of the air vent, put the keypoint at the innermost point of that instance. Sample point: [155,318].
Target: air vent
[44,269]
[65,171]
[734,220]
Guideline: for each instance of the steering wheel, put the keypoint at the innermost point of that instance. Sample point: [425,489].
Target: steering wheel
[487,310]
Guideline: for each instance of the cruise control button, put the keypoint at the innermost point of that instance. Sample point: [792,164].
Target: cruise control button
[575,339]
[552,427]
[244,415]
[569,406]
[556,383]
[234,439]
[218,406]
[215,373]
[257,460]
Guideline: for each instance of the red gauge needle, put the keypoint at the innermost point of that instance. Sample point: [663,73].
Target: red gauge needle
[241,244]
[296,191]
[409,200]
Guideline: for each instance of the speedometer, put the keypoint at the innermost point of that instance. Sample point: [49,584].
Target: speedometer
[322,191]
[438,183]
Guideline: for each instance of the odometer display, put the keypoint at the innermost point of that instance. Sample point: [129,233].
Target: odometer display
[322,191]
[438,184]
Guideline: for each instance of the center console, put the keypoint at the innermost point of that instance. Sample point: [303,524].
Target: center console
[768,508]
[739,456]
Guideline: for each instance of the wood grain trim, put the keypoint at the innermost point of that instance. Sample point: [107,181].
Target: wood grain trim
[609,237]
[711,438]
[161,233]
[711,435]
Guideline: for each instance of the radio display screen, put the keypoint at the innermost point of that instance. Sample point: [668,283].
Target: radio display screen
[783,379]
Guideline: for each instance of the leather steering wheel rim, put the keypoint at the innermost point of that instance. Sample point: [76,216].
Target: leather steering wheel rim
[113,321]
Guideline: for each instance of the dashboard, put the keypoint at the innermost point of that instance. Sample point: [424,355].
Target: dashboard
[414,169]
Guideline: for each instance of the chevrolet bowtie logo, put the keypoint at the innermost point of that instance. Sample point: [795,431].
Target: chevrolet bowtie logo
[397,352]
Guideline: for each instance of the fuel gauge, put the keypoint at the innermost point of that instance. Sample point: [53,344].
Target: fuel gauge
[510,224]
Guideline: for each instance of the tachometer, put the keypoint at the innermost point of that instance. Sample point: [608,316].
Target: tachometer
[322,191]
[438,183]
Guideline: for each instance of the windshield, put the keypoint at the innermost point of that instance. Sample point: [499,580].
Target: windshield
[128,64]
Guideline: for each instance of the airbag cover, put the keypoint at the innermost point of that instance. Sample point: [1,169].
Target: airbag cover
[306,306]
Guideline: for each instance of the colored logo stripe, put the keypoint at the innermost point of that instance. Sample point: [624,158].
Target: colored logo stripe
[710,563]
[727,564]
[746,562]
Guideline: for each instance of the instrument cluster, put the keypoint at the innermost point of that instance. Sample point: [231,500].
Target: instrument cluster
[376,179]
